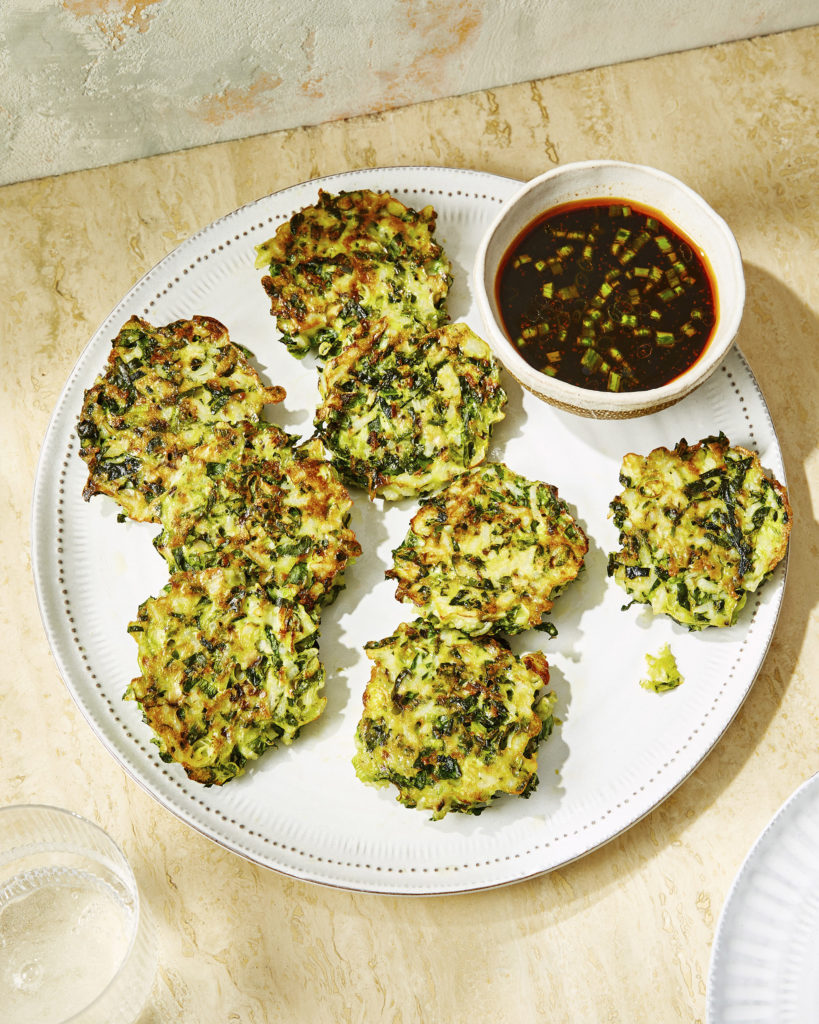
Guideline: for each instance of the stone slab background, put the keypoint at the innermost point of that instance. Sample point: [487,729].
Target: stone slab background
[85,83]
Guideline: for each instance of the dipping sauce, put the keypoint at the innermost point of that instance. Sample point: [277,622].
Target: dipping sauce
[606,295]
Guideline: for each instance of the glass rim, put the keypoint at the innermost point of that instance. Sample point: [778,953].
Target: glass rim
[137,917]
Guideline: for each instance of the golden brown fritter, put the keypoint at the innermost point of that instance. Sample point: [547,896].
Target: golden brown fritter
[489,553]
[253,493]
[701,527]
[451,721]
[350,262]
[162,392]
[226,671]
[402,416]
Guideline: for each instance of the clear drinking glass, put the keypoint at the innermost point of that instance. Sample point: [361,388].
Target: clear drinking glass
[75,943]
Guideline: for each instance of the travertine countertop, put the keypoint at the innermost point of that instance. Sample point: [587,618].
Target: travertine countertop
[624,934]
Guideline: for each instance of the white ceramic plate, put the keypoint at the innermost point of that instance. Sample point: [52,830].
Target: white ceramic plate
[619,750]
[764,965]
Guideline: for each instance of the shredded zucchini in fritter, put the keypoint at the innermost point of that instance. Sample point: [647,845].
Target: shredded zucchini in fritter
[701,527]
[490,552]
[403,416]
[226,671]
[451,721]
[163,391]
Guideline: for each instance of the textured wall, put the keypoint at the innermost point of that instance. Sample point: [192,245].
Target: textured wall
[90,82]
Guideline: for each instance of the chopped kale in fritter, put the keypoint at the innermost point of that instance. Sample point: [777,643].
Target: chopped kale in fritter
[227,670]
[404,415]
[163,391]
[451,721]
[490,552]
[700,527]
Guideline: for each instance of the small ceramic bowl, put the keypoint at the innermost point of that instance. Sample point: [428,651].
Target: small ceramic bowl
[677,204]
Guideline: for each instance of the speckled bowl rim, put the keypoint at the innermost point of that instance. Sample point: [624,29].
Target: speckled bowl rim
[728,276]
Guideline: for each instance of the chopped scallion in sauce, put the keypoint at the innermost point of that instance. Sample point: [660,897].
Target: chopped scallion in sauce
[607,295]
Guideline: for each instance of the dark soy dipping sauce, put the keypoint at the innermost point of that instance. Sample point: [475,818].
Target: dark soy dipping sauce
[607,295]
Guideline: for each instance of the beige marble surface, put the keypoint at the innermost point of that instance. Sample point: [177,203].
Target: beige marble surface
[623,935]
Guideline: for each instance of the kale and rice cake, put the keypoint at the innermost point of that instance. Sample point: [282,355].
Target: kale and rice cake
[450,720]
[402,416]
[226,671]
[254,495]
[701,527]
[161,393]
[489,553]
[349,262]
